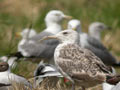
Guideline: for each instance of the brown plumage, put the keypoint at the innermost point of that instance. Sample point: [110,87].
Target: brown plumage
[77,64]
[81,65]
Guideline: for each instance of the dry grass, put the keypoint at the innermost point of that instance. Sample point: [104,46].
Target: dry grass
[50,84]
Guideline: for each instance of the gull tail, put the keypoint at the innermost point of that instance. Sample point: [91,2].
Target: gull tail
[17,54]
[113,79]
[116,64]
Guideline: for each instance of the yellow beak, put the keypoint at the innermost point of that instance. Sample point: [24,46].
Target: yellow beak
[68,17]
[18,34]
[48,37]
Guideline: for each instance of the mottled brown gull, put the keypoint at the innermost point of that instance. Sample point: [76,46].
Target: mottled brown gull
[77,64]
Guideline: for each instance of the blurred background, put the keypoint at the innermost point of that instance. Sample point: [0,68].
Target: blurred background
[16,15]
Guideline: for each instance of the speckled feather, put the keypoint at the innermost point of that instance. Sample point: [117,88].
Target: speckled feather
[81,64]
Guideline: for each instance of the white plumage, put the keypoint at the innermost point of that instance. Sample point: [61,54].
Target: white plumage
[7,78]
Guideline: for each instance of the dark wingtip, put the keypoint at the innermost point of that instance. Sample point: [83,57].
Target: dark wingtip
[113,79]
[17,54]
[116,65]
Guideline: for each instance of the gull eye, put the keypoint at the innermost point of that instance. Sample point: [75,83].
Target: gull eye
[65,33]
[57,14]
[101,27]
[2,66]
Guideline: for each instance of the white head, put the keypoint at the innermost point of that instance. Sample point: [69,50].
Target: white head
[75,24]
[96,28]
[4,58]
[28,33]
[55,17]
[65,36]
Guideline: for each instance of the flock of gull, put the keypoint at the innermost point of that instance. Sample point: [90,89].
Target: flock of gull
[72,54]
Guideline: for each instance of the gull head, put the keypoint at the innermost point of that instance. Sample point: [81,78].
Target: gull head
[96,28]
[74,24]
[55,16]
[27,33]
[4,58]
[4,66]
[66,36]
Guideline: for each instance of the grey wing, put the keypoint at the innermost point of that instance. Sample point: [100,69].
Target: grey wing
[44,49]
[41,35]
[77,61]
[40,50]
[101,51]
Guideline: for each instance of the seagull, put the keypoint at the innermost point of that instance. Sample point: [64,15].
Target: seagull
[44,70]
[6,77]
[33,48]
[79,65]
[93,44]
[96,28]
[10,60]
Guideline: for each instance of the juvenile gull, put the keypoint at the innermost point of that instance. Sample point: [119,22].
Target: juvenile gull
[96,28]
[33,48]
[93,44]
[6,77]
[77,64]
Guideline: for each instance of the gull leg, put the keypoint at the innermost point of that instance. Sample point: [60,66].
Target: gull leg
[73,86]
[83,88]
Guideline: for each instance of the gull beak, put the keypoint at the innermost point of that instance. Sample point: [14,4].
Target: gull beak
[18,34]
[48,37]
[68,17]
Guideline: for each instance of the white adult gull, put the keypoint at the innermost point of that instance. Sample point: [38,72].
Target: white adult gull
[7,78]
[93,44]
[77,64]
[33,48]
